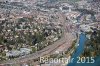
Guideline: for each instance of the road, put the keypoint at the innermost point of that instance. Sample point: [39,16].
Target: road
[48,50]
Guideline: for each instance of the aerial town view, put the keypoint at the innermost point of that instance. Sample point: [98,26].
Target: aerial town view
[49,32]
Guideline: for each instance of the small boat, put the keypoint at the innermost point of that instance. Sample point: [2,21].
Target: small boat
[77,44]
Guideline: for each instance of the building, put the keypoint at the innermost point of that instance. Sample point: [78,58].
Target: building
[2,48]
[25,51]
[13,53]
[85,28]
[16,53]
[82,4]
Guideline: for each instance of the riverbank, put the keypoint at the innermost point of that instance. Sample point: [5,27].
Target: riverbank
[78,50]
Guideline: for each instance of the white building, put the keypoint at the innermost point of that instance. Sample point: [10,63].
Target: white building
[25,51]
[13,53]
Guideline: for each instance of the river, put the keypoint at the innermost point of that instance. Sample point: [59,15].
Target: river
[79,51]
